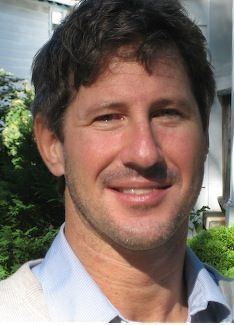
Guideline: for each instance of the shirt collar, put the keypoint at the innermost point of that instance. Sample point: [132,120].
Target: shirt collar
[71,294]
[202,289]
[69,290]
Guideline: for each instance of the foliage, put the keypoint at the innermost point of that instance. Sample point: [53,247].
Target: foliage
[18,246]
[26,187]
[12,88]
[195,219]
[216,248]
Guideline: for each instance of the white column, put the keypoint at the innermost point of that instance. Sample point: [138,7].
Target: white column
[229,213]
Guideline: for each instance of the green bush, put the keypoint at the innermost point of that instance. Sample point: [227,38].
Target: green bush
[18,246]
[31,208]
[216,248]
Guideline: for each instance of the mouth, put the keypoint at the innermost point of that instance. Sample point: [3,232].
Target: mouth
[138,191]
[140,194]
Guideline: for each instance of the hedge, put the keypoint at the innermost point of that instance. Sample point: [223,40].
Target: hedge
[216,247]
[31,208]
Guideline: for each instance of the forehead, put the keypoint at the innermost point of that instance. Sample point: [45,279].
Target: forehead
[163,65]
[129,80]
[128,55]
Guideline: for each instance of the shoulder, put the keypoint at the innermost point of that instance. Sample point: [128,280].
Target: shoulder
[218,277]
[226,285]
[21,296]
[215,287]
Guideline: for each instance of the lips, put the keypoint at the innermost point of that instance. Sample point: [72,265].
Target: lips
[138,190]
[140,194]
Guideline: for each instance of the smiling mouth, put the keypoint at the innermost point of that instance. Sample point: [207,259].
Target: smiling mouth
[140,196]
[140,191]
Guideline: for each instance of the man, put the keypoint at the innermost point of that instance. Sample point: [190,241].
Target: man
[123,94]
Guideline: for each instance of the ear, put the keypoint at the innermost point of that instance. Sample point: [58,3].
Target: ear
[49,146]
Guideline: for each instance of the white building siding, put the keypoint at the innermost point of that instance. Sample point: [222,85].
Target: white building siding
[215,19]
[220,45]
[24,28]
[198,11]
[220,41]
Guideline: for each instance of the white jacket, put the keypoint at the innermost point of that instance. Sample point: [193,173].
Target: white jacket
[21,297]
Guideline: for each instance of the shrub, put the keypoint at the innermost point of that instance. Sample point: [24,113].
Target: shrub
[18,246]
[31,208]
[216,248]
[196,219]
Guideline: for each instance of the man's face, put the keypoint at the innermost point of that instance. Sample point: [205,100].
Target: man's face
[134,151]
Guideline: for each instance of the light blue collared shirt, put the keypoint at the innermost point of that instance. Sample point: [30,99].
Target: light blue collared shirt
[72,295]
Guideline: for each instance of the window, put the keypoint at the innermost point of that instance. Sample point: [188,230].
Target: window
[57,14]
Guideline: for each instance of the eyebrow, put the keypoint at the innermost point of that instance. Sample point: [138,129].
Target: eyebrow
[159,103]
[108,105]
[178,102]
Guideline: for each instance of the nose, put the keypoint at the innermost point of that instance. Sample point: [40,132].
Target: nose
[141,147]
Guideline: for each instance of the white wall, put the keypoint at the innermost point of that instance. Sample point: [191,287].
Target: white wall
[220,41]
[215,19]
[220,45]
[23,29]
[198,11]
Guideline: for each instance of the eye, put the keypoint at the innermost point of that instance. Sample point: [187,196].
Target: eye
[167,113]
[108,122]
[109,117]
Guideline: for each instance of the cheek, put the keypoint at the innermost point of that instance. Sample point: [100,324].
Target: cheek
[91,152]
[184,148]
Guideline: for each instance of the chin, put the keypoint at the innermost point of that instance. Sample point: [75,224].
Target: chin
[147,237]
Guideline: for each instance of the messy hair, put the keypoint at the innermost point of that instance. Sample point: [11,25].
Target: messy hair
[96,30]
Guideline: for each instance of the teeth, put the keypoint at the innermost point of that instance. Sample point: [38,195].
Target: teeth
[137,191]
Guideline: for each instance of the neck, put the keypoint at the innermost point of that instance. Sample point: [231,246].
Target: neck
[143,285]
